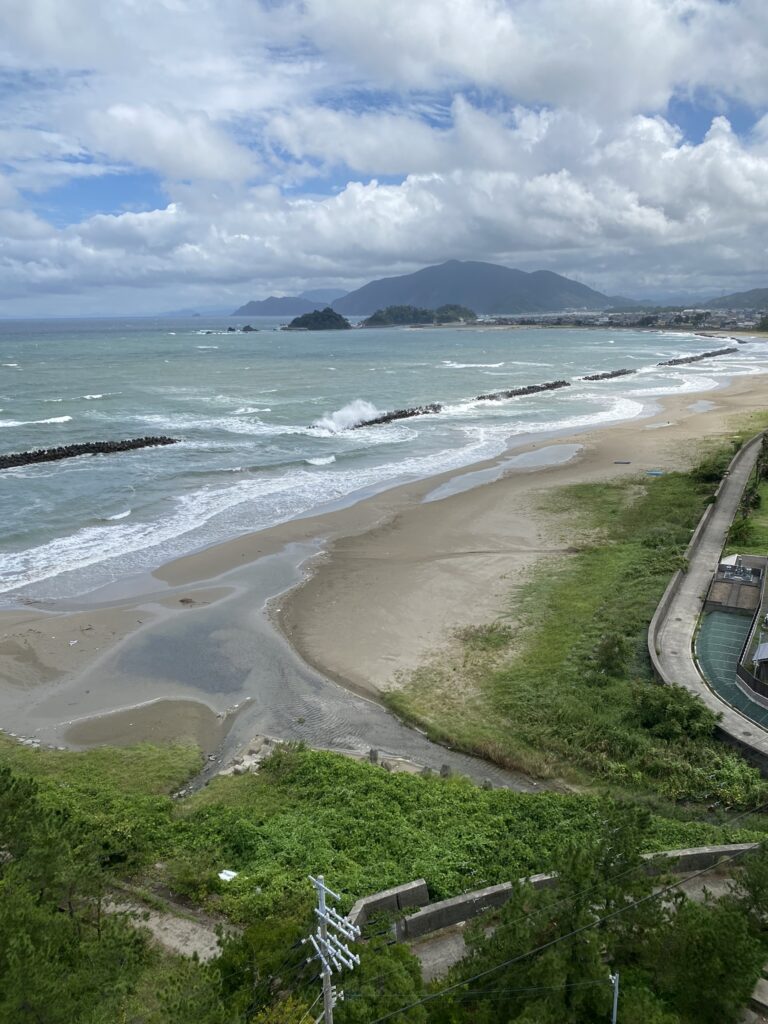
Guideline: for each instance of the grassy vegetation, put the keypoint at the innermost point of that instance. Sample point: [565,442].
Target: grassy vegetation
[569,690]
[753,538]
[100,816]
[369,829]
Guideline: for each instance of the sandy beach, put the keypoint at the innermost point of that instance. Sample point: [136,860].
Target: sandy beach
[396,575]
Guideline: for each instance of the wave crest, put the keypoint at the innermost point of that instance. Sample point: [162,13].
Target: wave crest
[348,416]
[30,423]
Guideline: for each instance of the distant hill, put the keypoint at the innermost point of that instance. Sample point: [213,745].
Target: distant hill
[197,311]
[325,295]
[319,320]
[757,298]
[485,287]
[394,315]
[288,305]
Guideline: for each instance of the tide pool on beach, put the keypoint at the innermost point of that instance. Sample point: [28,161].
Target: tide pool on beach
[264,420]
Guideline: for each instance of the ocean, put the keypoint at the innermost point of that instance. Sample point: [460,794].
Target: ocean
[264,423]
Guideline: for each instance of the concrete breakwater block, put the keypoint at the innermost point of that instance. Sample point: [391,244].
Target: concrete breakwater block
[70,451]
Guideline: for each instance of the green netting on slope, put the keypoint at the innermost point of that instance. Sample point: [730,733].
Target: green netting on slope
[718,646]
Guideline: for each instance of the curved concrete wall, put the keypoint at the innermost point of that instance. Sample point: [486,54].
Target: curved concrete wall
[734,728]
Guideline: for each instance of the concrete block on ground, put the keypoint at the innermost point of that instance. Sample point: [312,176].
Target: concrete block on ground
[697,858]
[453,911]
[759,999]
[542,881]
[410,894]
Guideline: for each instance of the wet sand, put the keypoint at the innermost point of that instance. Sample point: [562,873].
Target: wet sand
[379,604]
[175,655]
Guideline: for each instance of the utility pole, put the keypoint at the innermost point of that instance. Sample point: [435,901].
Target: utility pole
[332,953]
[614,978]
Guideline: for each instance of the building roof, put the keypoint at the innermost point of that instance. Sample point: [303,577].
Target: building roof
[761,654]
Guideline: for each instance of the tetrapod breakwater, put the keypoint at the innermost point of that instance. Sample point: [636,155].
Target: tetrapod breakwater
[608,375]
[70,451]
[400,414]
[682,360]
[529,389]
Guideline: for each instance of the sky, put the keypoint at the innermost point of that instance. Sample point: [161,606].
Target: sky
[163,154]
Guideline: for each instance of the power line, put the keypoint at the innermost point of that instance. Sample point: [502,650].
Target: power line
[584,892]
[552,942]
[311,1007]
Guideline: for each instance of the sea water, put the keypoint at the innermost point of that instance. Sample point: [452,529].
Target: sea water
[266,423]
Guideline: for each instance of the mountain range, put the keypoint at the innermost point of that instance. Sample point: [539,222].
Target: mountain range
[756,298]
[290,305]
[483,287]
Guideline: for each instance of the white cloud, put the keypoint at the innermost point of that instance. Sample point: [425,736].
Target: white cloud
[533,132]
[176,145]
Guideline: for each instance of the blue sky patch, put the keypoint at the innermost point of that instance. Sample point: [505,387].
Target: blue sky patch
[82,197]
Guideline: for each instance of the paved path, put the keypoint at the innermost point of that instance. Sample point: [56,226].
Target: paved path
[674,639]
[176,932]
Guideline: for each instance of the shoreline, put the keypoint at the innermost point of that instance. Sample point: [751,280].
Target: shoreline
[399,592]
[363,593]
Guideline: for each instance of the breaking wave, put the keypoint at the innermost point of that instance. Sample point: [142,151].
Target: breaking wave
[31,423]
[450,365]
[348,415]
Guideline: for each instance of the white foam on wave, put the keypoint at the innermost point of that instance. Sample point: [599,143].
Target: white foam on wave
[249,410]
[11,366]
[31,423]
[206,346]
[349,415]
[119,515]
[678,385]
[254,427]
[255,501]
[449,364]
[321,460]
[613,410]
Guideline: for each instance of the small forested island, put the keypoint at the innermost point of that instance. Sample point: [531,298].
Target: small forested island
[410,315]
[319,320]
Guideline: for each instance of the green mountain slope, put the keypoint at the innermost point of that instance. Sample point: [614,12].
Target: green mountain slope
[756,298]
[484,287]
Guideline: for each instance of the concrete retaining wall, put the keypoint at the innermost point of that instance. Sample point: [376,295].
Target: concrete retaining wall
[434,916]
[463,908]
[657,622]
[401,897]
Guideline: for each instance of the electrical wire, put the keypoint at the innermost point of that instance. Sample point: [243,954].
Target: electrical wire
[584,892]
[309,1009]
[552,942]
